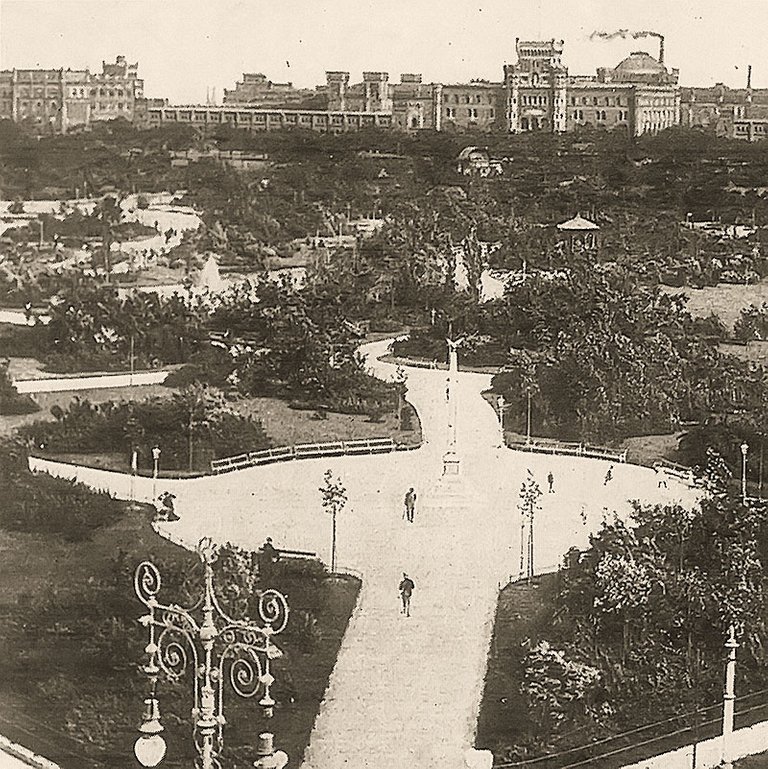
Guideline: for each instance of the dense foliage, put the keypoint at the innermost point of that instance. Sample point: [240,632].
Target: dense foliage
[192,427]
[11,401]
[298,343]
[92,327]
[46,504]
[634,632]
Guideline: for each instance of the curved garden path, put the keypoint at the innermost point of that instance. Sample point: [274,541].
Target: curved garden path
[406,691]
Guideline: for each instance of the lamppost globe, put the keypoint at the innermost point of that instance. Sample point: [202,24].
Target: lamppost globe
[149,749]
[744,448]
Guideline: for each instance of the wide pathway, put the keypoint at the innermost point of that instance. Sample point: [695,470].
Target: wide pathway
[406,691]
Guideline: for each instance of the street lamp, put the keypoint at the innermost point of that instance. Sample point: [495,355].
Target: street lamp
[155,469]
[729,698]
[744,449]
[219,648]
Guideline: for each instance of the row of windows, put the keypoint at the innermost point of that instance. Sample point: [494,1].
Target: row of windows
[40,92]
[600,115]
[658,114]
[476,98]
[217,117]
[607,101]
[24,91]
[472,113]
[534,100]
[51,103]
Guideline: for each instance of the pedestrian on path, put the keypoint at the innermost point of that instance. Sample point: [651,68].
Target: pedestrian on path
[608,476]
[406,590]
[448,389]
[551,482]
[410,504]
[660,476]
[268,556]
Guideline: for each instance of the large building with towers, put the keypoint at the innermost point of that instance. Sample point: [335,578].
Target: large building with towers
[639,95]
[57,100]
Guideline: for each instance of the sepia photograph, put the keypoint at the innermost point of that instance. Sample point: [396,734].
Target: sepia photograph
[383,384]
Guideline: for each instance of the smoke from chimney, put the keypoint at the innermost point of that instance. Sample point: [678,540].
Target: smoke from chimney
[628,33]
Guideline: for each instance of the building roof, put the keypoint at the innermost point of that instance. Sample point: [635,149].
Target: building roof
[640,63]
[577,224]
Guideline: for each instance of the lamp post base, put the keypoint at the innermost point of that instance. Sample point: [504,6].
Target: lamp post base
[451,464]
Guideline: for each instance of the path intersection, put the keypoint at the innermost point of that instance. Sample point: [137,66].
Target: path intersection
[405,691]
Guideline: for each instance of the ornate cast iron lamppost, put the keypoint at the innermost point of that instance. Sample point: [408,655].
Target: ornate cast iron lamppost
[219,648]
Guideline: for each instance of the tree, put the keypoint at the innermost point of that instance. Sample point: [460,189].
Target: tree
[110,214]
[528,505]
[201,407]
[334,496]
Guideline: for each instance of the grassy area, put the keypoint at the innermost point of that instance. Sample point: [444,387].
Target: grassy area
[647,449]
[9,424]
[69,687]
[286,426]
[504,718]
[753,762]
[522,613]
[725,300]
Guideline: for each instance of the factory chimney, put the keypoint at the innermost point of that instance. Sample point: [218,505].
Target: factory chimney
[749,77]
[661,49]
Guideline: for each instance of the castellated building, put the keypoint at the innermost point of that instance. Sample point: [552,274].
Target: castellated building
[56,100]
[639,95]
[537,93]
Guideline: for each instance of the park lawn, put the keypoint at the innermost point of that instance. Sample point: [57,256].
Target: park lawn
[725,300]
[286,426]
[8,424]
[647,449]
[69,685]
[503,718]
[753,762]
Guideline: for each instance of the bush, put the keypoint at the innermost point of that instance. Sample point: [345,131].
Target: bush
[217,431]
[41,503]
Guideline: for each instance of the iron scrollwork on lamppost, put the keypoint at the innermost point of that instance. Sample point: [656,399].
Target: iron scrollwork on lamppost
[217,648]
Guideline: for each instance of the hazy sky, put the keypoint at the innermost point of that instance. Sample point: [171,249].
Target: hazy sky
[184,46]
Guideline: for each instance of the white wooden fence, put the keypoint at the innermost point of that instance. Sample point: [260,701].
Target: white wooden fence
[572,449]
[307,451]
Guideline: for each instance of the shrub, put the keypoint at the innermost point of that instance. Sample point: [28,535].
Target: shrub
[11,401]
[194,422]
[41,503]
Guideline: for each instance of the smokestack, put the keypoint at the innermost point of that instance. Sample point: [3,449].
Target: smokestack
[661,49]
[749,77]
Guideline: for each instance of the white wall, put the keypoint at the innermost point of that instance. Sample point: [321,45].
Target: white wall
[90,382]
[709,753]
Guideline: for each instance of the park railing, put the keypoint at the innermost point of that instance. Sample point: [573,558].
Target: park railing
[307,451]
[571,449]
[683,472]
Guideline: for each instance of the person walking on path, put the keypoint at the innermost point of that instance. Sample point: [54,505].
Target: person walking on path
[608,476]
[551,482]
[406,590]
[268,557]
[410,504]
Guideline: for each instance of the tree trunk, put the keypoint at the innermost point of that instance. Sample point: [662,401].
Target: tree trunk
[190,445]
